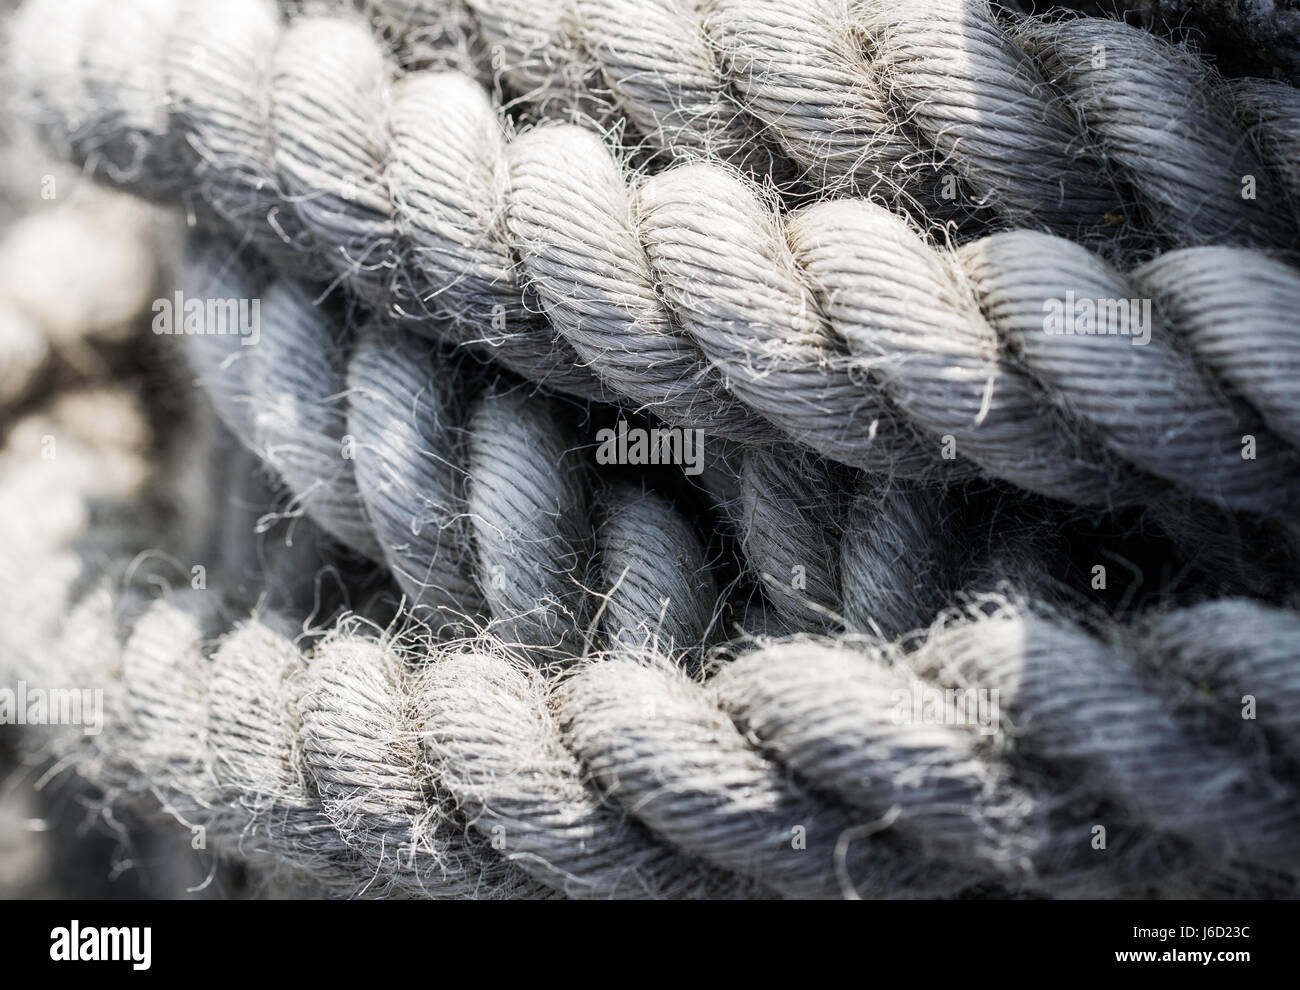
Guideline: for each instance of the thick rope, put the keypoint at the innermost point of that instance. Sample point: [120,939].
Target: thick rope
[491,508]
[75,269]
[483,509]
[838,328]
[361,761]
[1044,122]
[391,765]
[569,751]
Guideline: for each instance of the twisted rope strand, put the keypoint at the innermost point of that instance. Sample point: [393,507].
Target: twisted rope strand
[791,326]
[477,508]
[362,759]
[1044,121]
[487,510]
[677,766]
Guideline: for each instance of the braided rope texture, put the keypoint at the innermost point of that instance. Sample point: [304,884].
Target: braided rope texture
[836,326]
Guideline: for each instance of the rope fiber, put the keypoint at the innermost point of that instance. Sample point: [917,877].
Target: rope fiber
[368,613]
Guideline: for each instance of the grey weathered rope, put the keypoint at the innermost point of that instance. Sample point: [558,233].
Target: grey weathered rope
[670,759]
[357,767]
[799,360]
[357,764]
[839,551]
[1040,120]
[798,356]
[486,511]
[1255,37]
[1207,318]
[362,758]
[822,572]
[832,552]
[1273,110]
[479,509]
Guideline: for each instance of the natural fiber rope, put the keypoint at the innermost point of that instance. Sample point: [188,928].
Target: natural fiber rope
[350,763]
[394,764]
[839,327]
[371,432]
[73,274]
[624,778]
[491,519]
[1044,121]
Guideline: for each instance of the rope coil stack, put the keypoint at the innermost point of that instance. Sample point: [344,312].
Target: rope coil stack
[532,678]
[826,300]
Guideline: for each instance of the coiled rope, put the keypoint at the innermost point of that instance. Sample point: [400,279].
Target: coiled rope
[388,765]
[1045,121]
[484,509]
[395,764]
[838,328]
